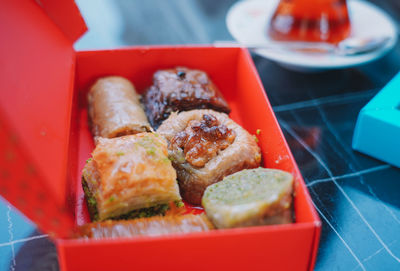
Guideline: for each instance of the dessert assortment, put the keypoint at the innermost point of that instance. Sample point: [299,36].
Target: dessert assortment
[138,174]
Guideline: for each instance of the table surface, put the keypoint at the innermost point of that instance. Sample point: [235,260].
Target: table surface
[357,197]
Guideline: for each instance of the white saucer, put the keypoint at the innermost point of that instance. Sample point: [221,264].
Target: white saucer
[247,22]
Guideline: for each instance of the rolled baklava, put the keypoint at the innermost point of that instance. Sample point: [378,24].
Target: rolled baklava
[181,89]
[151,226]
[249,198]
[129,176]
[205,146]
[115,109]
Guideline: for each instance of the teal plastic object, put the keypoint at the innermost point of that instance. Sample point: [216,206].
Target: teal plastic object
[377,131]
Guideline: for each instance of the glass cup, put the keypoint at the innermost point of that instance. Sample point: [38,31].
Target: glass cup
[310,21]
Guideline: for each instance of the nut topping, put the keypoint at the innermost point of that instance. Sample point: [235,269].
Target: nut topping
[203,140]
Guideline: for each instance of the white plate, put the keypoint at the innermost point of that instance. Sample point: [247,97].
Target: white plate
[247,21]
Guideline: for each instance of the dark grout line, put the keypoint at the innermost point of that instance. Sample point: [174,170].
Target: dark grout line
[343,98]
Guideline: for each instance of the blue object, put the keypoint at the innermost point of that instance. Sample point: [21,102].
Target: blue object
[377,131]
[14,228]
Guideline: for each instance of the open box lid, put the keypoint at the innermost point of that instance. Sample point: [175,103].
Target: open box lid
[36,88]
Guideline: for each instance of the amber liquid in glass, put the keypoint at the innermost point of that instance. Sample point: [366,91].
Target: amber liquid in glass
[310,20]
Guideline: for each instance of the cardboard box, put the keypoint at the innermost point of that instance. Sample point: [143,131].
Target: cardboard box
[377,130]
[45,141]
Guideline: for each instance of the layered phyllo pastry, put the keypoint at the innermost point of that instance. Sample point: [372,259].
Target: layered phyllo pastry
[129,176]
[115,109]
[249,198]
[150,226]
[205,146]
[181,89]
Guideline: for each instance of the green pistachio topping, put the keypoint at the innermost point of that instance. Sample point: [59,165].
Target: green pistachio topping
[111,199]
[249,186]
[179,203]
[151,151]
[145,212]
[255,139]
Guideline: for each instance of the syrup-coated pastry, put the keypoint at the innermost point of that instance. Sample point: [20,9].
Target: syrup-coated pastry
[115,109]
[249,198]
[129,176]
[149,226]
[181,89]
[205,146]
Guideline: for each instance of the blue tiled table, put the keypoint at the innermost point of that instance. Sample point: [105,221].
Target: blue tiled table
[357,197]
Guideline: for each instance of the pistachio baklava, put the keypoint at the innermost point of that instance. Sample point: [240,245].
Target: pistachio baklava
[129,176]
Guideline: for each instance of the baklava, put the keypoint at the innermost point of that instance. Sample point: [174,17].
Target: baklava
[129,176]
[115,109]
[181,89]
[205,146]
[249,198]
[149,226]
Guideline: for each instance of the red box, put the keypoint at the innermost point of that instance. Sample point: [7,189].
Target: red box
[45,141]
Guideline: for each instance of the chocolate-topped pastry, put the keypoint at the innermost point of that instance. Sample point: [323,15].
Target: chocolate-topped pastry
[205,146]
[181,89]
